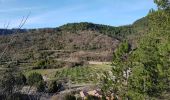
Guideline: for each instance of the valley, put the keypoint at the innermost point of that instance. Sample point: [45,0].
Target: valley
[87,61]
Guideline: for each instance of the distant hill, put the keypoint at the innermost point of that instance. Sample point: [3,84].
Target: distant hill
[116,32]
[68,43]
[11,31]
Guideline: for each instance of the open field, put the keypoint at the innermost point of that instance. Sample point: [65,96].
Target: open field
[89,74]
[49,72]
[82,74]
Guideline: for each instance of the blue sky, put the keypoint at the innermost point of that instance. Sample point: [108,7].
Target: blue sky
[53,13]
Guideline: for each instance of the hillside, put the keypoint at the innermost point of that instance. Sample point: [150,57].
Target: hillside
[79,61]
[11,31]
[64,45]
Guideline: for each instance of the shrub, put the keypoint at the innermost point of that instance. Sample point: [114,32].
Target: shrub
[75,64]
[21,79]
[34,79]
[54,87]
[41,86]
[40,64]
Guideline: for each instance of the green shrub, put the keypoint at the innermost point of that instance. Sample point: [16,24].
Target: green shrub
[42,64]
[41,86]
[48,64]
[34,79]
[21,79]
[131,95]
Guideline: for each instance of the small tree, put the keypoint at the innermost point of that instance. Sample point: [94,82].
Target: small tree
[117,83]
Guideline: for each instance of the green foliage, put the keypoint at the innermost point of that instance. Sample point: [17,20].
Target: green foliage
[116,83]
[149,63]
[80,74]
[10,82]
[21,79]
[117,32]
[41,86]
[131,95]
[120,51]
[49,64]
[162,4]
[149,76]
[42,64]
[141,26]
[34,78]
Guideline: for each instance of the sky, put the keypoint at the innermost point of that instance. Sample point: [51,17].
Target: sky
[54,13]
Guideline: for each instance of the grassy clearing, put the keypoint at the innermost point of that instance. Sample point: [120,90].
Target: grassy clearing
[103,67]
[49,72]
[89,74]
